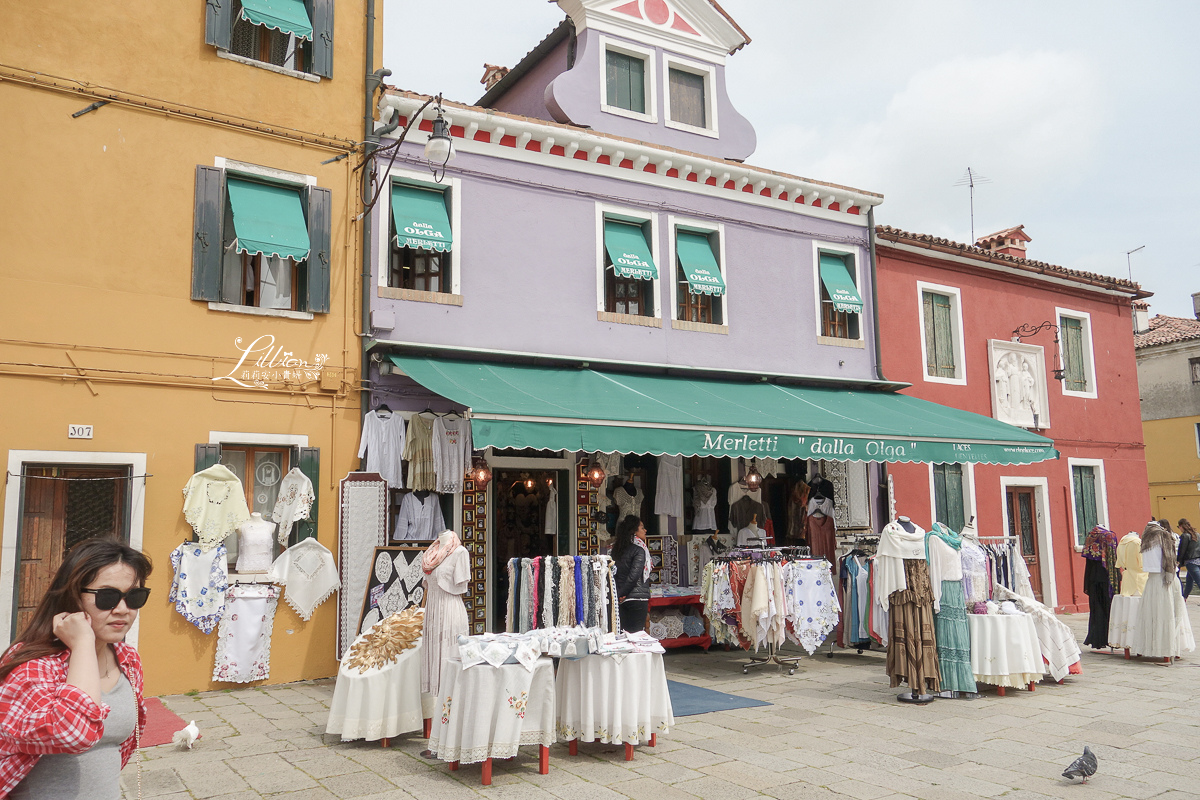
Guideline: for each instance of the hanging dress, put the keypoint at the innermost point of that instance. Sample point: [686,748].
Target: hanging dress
[1100,564]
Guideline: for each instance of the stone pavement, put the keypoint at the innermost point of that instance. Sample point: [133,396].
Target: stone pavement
[834,730]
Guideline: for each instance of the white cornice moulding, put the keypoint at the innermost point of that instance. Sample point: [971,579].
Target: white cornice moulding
[800,193]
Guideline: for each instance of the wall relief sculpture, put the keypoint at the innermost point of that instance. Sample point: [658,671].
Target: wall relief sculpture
[1019,395]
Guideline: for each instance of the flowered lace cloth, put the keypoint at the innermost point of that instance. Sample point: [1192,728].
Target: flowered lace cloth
[244,638]
[613,701]
[489,712]
[214,504]
[295,501]
[811,602]
[496,649]
[307,572]
[200,582]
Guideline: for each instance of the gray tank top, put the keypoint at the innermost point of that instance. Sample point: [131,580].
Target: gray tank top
[94,774]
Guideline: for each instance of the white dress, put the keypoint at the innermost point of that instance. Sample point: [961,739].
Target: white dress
[1163,628]
[445,616]
[705,518]
[451,452]
[382,444]
[418,519]
[668,495]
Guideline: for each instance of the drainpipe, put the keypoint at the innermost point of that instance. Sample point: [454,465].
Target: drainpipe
[875,292]
[371,138]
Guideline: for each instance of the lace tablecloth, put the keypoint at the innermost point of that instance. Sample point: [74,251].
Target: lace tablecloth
[378,703]
[1122,620]
[613,700]
[1005,649]
[487,712]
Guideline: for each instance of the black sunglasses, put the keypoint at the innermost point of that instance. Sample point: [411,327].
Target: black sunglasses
[107,599]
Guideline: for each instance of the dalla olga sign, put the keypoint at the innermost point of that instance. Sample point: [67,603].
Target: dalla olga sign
[263,363]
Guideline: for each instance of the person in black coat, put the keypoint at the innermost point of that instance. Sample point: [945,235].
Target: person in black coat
[632,559]
[1188,556]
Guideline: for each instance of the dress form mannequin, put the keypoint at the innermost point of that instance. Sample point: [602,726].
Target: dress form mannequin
[897,549]
[447,568]
[256,538]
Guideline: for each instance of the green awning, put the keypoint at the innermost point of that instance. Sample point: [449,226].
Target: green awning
[288,16]
[421,219]
[626,245]
[561,408]
[840,286]
[699,264]
[268,219]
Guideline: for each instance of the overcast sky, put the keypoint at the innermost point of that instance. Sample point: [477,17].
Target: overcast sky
[1084,116]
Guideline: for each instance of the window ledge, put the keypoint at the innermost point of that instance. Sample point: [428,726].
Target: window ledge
[1083,395]
[683,126]
[952,381]
[442,298]
[260,312]
[836,341]
[291,73]
[702,327]
[625,112]
[628,319]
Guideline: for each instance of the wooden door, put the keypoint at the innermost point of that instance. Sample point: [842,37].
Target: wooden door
[1022,523]
[62,507]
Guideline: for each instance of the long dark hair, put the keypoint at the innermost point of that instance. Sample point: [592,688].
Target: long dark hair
[626,528]
[79,568]
[1165,524]
[1186,527]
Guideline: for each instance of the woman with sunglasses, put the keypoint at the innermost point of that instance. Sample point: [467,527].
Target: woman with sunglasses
[71,700]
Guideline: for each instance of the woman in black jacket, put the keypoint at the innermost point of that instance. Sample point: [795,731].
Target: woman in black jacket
[633,573]
[1188,556]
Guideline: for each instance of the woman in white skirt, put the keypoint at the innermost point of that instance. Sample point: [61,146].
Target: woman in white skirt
[1163,630]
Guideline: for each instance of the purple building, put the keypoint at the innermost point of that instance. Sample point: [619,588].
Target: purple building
[598,279]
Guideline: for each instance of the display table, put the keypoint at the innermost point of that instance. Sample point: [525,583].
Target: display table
[379,703]
[613,700]
[684,601]
[485,712]
[1122,621]
[1005,650]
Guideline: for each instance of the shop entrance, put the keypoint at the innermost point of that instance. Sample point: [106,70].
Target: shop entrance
[62,506]
[529,515]
[1022,523]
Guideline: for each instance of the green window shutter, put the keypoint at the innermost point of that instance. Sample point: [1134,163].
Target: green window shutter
[939,492]
[949,502]
[626,81]
[218,23]
[206,233]
[321,14]
[930,336]
[637,85]
[314,277]
[1083,481]
[1073,355]
[309,462]
[207,455]
[943,338]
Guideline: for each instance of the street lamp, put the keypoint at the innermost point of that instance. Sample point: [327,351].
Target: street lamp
[440,147]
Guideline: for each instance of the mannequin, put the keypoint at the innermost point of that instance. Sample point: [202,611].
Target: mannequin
[1129,561]
[902,577]
[447,568]
[255,544]
[1163,629]
[704,504]
[628,499]
[950,612]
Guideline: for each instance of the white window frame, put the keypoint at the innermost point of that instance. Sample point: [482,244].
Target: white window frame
[650,73]
[676,224]
[1089,364]
[706,71]
[968,493]
[10,555]
[856,253]
[625,214]
[1041,495]
[1198,446]
[1101,500]
[957,334]
[383,245]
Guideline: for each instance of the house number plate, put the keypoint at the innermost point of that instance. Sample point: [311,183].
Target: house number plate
[79,431]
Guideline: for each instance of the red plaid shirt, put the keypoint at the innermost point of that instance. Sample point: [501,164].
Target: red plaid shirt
[40,713]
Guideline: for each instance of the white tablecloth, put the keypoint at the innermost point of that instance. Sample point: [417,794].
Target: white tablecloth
[1122,620]
[379,703]
[611,700]
[1005,649]
[488,712]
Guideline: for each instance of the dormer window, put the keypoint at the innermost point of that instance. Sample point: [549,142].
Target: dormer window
[689,100]
[628,80]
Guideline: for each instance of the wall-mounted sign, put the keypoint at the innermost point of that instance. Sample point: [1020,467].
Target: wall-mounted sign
[262,364]
[79,431]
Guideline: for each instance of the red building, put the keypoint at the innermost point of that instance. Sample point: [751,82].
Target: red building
[1042,347]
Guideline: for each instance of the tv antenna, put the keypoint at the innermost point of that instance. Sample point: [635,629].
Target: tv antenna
[1129,261]
[972,178]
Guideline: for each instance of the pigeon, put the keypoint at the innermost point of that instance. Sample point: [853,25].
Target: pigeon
[185,738]
[1082,767]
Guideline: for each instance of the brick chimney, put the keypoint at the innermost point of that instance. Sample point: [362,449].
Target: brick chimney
[1196,304]
[492,75]
[1008,242]
[1141,316]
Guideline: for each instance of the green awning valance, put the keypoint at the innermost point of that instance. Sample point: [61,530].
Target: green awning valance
[289,16]
[421,219]
[699,264]
[839,284]
[268,219]
[626,245]
[562,408]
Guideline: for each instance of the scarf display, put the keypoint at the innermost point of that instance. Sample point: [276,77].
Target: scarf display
[1101,545]
[436,553]
[214,504]
[946,535]
[200,582]
[309,575]
[295,501]
[1157,536]
[244,638]
[565,591]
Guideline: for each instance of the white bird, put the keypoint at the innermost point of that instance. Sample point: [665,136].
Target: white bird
[185,738]
[1082,767]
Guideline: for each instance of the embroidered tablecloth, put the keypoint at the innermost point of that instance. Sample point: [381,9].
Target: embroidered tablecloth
[378,703]
[487,712]
[1122,620]
[1005,649]
[613,699]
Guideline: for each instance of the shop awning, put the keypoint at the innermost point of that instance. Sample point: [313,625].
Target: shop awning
[288,16]
[699,264]
[626,245]
[421,219]
[840,286]
[268,219]
[561,408]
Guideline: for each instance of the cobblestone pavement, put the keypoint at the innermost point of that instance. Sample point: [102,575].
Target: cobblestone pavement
[834,730]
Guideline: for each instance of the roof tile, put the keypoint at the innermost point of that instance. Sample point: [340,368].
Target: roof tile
[1167,330]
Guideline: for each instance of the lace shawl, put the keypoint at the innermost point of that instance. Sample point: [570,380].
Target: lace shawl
[296,497]
[200,582]
[214,504]
[1101,545]
[309,575]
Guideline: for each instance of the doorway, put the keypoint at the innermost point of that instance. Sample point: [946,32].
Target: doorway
[63,505]
[1022,523]
[531,514]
